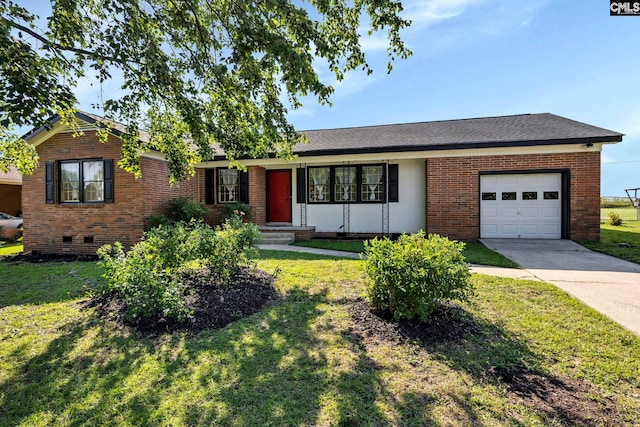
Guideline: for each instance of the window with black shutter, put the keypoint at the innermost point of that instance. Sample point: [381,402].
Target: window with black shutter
[80,181]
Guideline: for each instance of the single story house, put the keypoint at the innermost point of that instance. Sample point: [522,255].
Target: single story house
[520,176]
[11,192]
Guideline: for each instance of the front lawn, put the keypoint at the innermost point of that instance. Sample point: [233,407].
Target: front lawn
[621,241]
[474,252]
[529,355]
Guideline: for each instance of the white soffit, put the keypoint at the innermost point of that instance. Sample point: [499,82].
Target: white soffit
[406,155]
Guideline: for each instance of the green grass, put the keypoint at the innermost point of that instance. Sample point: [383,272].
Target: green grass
[298,362]
[356,246]
[474,252]
[477,253]
[628,213]
[10,248]
[611,236]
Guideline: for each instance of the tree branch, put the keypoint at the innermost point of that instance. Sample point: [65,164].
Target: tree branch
[53,45]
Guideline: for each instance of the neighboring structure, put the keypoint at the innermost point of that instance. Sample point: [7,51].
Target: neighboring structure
[11,192]
[524,176]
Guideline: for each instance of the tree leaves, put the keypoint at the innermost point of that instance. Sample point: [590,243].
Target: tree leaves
[212,71]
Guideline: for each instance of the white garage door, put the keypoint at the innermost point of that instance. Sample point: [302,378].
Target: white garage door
[526,206]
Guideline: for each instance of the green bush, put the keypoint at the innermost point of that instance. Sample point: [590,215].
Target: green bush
[614,219]
[180,209]
[155,220]
[411,276]
[237,209]
[148,278]
[184,209]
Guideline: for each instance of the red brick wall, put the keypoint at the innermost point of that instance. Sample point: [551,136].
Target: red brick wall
[257,197]
[453,191]
[11,199]
[123,221]
[258,193]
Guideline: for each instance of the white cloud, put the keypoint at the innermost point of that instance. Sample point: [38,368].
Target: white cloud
[427,12]
[440,25]
[374,42]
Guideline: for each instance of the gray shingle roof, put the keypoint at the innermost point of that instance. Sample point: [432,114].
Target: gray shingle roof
[518,130]
[486,132]
[116,127]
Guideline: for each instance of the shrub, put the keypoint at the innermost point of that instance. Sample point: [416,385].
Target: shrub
[147,291]
[180,209]
[155,220]
[614,219]
[236,209]
[184,209]
[148,278]
[411,276]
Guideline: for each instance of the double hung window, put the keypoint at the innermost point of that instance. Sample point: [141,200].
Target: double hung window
[80,181]
[224,185]
[228,185]
[319,186]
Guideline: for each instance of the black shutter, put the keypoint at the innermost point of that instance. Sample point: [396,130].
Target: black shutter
[243,177]
[108,181]
[393,183]
[210,186]
[301,185]
[49,183]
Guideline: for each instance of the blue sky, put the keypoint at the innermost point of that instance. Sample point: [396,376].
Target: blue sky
[476,58]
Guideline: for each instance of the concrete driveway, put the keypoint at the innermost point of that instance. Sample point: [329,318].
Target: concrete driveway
[607,284]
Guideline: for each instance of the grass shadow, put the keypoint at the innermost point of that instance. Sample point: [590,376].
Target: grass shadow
[492,354]
[277,367]
[26,283]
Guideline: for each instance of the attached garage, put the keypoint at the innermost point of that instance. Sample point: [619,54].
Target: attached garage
[522,206]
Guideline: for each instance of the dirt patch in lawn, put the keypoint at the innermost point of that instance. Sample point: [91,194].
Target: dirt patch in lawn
[214,304]
[561,398]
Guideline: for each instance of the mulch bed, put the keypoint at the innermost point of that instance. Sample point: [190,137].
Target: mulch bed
[214,304]
[39,258]
[562,398]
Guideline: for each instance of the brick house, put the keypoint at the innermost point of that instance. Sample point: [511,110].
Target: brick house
[523,176]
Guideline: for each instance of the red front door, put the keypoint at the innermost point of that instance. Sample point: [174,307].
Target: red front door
[279,196]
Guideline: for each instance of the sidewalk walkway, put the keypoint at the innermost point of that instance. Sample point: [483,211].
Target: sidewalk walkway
[326,252]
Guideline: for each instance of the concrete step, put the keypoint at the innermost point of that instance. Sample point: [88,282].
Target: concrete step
[279,238]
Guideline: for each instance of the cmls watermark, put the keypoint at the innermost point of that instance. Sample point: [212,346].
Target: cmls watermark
[624,8]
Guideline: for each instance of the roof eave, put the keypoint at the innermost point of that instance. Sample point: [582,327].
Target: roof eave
[454,146]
